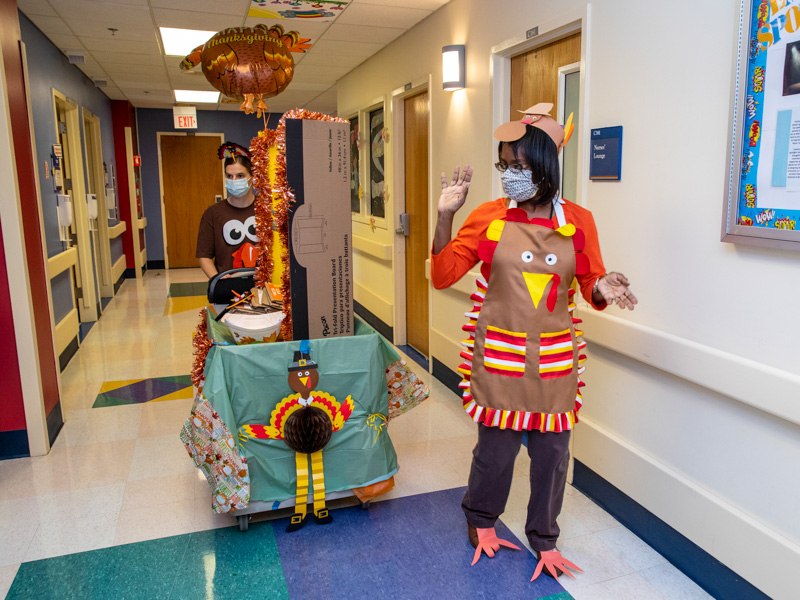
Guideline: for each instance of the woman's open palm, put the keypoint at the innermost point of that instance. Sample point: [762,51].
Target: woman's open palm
[454,195]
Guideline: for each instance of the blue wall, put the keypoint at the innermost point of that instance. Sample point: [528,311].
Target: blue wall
[49,69]
[234,126]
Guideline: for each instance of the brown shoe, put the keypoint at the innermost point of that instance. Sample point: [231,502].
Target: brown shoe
[473,535]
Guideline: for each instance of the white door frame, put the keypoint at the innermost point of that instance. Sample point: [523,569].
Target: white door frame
[398,97]
[561,117]
[161,181]
[566,24]
[87,305]
[94,162]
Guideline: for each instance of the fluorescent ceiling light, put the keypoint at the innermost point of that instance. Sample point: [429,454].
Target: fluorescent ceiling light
[193,96]
[180,42]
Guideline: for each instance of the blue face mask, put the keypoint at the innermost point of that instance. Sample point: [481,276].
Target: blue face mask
[237,187]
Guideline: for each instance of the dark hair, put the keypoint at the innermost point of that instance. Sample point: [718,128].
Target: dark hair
[541,155]
[242,160]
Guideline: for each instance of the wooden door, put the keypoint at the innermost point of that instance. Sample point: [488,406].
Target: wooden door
[416,182]
[192,177]
[534,75]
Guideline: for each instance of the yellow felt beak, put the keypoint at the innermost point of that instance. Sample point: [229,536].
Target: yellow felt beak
[537,283]
[304,380]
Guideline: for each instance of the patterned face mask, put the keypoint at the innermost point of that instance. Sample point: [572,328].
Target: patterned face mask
[518,184]
[237,187]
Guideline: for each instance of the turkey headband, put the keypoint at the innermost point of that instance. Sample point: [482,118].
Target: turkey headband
[231,150]
[536,116]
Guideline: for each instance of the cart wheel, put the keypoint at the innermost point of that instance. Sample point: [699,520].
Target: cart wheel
[364,505]
[244,522]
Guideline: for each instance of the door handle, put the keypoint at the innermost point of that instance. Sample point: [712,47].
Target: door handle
[405,225]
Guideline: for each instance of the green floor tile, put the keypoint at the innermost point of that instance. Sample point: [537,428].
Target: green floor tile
[221,563]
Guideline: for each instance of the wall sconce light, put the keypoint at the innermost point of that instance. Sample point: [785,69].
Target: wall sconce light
[453,77]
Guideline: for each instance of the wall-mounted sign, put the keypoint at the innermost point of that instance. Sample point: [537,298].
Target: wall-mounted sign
[605,154]
[184,117]
[137,160]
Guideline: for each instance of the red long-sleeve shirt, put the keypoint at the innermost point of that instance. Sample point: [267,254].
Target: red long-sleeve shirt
[461,253]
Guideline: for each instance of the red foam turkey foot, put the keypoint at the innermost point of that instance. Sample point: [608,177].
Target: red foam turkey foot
[489,542]
[555,564]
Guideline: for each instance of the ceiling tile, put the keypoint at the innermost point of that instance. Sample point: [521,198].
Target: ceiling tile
[114,93]
[362,33]
[309,86]
[49,25]
[36,7]
[165,17]
[94,71]
[65,42]
[134,87]
[318,74]
[126,32]
[117,70]
[382,16]
[197,83]
[119,46]
[321,59]
[124,58]
[112,14]
[423,4]
[337,48]
[237,8]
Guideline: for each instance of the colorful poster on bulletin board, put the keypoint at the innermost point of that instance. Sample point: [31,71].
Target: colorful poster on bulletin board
[321,11]
[764,187]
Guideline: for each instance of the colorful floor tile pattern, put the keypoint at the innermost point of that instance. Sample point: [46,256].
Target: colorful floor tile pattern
[315,563]
[138,391]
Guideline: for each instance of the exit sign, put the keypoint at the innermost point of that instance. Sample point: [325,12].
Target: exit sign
[185,117]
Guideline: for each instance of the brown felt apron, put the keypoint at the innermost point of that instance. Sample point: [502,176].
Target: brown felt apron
[525,356]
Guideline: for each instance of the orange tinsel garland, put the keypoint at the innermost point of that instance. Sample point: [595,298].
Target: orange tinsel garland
[201,345]
[264,210]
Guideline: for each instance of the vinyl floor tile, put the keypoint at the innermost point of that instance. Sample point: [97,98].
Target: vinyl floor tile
[411,547]
[7,574]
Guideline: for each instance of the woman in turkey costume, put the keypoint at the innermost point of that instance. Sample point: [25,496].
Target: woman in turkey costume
[523,354]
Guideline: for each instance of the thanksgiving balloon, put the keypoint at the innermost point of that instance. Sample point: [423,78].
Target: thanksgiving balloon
[248,64]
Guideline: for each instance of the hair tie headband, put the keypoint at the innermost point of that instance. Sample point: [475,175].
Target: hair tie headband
[536,116]
[231,150]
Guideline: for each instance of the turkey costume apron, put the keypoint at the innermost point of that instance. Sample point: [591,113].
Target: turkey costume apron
[524,355]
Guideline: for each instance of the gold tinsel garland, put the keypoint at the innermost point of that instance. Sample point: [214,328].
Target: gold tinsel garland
[201,345]
[264,210]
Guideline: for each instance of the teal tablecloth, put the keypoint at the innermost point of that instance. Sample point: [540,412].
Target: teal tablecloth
[244,383]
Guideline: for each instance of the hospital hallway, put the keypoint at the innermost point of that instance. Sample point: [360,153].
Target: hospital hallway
[118,510]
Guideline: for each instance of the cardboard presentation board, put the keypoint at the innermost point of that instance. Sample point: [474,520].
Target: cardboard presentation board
[320,228]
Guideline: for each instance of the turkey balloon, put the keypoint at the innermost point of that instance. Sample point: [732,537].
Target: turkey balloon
[248,64]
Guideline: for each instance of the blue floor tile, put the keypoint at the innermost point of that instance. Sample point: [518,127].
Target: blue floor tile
[411,548]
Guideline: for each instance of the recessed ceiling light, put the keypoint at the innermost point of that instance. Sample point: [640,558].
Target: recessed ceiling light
[180,42]
[194,96]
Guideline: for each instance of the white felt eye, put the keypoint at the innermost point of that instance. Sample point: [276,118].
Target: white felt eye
[306,373]
[527,256]
[250,229]
[551,259]
[233,232]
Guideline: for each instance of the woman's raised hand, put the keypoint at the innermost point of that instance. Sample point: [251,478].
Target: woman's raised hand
[454,195]
[615,287]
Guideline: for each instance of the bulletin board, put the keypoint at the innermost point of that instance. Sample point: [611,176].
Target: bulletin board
[762,199]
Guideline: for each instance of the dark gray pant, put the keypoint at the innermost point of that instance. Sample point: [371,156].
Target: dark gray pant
[493,469]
